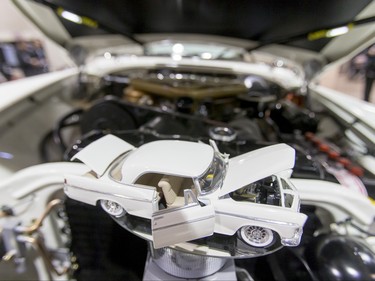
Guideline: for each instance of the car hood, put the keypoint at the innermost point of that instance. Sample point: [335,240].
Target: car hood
[255,165]
[249,24]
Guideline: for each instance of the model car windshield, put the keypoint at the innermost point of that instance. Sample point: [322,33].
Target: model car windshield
[212,179]
[288,198]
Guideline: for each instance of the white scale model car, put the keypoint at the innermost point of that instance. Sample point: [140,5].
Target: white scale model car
[190,190]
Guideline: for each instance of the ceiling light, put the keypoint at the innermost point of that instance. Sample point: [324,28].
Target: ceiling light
[328,33]
[107,55]
[178,48]
[206,56]
[77,18]
[337,31]
[71,17]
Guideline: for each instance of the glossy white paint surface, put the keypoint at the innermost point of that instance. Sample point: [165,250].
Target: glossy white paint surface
[257,164]
[189,159]
[136,200]
[232,215]
[182,158]
[368,162]
[99,154]
[327,194]
[15,91]
[188,223]
[357,108]
[35,178]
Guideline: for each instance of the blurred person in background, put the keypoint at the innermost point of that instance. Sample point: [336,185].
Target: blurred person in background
[32,58]
[369,72]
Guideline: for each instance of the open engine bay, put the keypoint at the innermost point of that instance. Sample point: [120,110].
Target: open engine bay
[132,85]
[240,112]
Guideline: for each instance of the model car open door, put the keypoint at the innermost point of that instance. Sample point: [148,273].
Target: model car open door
[176,225]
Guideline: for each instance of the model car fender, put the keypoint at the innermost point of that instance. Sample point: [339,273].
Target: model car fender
[231,216]
[135,199]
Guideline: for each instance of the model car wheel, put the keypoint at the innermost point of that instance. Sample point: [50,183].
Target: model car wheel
[256,236]
[112,208]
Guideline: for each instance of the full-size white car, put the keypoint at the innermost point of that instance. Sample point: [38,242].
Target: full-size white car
[247,74]
[190,190]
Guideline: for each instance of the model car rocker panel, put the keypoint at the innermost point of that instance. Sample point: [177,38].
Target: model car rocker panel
[190,190]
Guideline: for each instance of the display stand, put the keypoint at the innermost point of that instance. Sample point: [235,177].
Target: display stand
[171,264]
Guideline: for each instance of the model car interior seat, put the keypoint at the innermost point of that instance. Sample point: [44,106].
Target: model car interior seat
[171,187]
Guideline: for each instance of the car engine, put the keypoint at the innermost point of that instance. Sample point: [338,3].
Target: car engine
[240,112]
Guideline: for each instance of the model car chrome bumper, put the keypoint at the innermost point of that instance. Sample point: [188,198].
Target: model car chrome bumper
[295,240]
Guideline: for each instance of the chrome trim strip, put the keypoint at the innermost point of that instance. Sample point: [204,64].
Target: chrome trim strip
[111,194]
[295,240]
[259,219]
[185,222]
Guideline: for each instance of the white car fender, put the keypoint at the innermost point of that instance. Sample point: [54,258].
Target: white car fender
[345,200]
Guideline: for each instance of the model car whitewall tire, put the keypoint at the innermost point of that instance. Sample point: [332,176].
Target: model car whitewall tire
[256,236]
[112,208]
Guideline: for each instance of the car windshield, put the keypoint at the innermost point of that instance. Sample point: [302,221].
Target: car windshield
[212,179]
[205,51]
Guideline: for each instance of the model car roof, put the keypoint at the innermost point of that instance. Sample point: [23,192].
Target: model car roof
[170,157]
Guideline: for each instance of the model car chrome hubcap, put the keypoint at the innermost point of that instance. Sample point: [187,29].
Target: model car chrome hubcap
[112,208]
[257,236]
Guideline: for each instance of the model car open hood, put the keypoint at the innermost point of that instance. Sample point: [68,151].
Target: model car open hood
[310,25]
[255,165]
